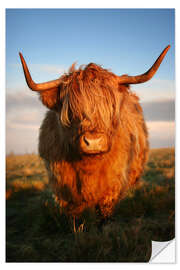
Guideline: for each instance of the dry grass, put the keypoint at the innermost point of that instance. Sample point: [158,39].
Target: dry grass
[37,231]
[24,172]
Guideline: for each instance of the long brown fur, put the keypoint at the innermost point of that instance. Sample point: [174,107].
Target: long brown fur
[91,99]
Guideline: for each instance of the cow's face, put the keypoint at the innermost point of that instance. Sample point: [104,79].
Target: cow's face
[88,111]
[84,135]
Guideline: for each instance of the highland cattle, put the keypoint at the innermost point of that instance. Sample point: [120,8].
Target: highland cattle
[94,139]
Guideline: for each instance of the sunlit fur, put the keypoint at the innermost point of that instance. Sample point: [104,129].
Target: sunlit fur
[91,99]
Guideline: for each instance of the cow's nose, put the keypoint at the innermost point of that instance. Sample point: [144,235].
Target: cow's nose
[87,142]
[93,143]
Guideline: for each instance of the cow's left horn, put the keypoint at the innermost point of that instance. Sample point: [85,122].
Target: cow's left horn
[125,79]
[37,86]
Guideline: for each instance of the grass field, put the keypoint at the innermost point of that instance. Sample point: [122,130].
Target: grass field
[37,232]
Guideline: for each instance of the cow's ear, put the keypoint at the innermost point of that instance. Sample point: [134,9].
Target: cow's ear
[50,98]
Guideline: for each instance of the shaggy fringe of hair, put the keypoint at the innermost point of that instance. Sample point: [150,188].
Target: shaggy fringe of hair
[89,93]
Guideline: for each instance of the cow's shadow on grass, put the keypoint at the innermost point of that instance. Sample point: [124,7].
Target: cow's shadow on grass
[38,231]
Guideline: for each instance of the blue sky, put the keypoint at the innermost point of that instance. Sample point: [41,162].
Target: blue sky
[121,39]
[127,41]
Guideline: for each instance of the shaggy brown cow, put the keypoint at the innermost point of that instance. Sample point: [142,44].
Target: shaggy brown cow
[94,138]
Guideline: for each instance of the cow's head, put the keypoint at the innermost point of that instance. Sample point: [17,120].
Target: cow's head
[87,102]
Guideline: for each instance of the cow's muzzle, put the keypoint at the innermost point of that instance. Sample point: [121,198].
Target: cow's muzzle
[94,143]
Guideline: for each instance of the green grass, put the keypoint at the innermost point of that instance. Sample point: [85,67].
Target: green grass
[37,231]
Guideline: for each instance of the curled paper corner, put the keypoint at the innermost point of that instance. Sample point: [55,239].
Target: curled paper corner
[163,252]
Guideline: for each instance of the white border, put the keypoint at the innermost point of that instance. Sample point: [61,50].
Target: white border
[69,4]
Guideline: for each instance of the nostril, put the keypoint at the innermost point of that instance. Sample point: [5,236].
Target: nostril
[86,141]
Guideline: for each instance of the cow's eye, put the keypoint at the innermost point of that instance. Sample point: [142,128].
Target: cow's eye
[70,115]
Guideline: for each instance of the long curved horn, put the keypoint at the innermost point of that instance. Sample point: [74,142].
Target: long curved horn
[37,86]
[147,75]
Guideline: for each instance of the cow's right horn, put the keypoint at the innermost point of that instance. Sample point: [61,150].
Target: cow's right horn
[125,79]
[37,86]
